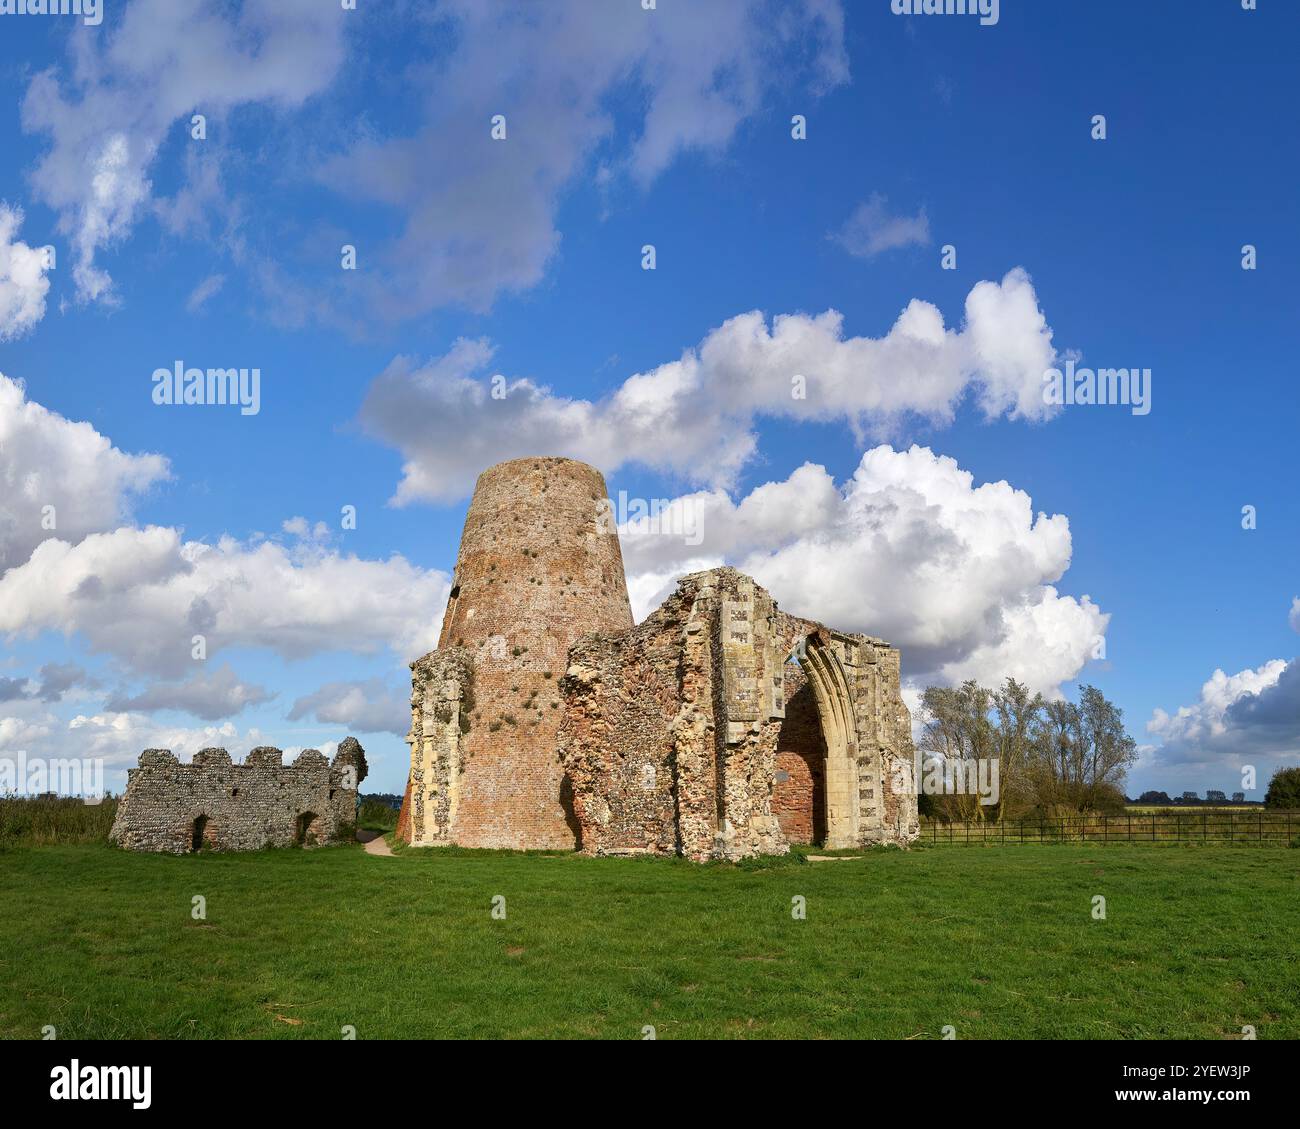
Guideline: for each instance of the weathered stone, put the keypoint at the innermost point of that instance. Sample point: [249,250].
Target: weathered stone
[703,712]
[214,803]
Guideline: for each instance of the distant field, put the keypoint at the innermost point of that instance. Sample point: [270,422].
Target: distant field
[1242,809]
[998,942]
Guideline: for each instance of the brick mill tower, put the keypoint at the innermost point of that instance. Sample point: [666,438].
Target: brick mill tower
[539,567]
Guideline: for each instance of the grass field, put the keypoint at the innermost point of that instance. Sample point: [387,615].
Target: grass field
[998,942]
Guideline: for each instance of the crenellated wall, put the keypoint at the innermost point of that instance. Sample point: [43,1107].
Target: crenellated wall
[214,803]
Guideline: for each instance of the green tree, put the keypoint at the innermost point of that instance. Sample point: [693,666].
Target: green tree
[1050,754]
[1016,714]
[1083,753]
[1283,789]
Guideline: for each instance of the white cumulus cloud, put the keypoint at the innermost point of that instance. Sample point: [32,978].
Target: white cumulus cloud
[962,577]
[696,415]
[477,215]
[872,229]
[369,706]
[106,118]
[210,696]
[23,285]
[49,461]
[141,595]
[1250,716]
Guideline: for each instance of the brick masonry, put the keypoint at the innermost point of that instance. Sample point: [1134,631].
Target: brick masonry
[799,787]
[215,803]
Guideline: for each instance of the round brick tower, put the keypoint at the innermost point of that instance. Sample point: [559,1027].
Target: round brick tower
[539,566]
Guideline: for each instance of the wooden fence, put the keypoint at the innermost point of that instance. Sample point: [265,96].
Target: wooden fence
[1274,828]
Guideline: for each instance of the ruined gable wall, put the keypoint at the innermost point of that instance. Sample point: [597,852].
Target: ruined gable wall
[700,688]
[669,737]
[902,821]
[621,697]
[247,806]
[442,706]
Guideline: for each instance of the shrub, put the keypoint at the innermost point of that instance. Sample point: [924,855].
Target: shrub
[376,816]
[45,820]
[1284,789]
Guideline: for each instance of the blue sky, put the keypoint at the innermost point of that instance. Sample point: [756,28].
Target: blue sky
[523,257]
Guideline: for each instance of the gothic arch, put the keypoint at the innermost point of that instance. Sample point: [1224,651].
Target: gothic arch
[835,710]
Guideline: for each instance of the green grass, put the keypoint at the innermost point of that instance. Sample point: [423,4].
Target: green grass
[998,942]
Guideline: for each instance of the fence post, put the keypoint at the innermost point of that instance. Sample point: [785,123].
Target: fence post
[1105,830]
[1178,826]
[1130,827]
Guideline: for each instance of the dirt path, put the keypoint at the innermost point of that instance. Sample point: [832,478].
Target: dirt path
[374,843]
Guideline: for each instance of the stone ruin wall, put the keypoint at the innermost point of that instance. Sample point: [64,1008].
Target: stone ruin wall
[239,807]
[442,705]
[675,734]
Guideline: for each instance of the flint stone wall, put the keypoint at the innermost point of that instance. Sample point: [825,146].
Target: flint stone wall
[242,807]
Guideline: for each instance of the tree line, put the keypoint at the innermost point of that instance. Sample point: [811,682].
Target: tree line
[1052,756]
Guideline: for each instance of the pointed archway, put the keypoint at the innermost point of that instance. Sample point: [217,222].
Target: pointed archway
[835,710]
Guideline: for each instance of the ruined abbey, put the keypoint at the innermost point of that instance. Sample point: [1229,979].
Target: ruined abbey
[720,728]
